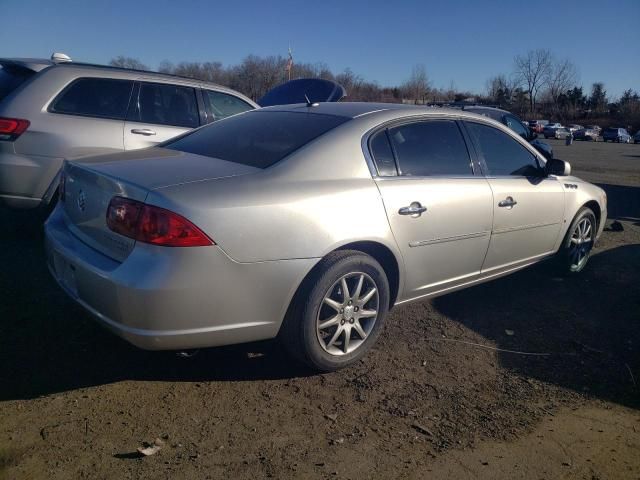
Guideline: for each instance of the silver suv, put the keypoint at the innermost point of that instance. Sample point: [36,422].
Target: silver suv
[51,110]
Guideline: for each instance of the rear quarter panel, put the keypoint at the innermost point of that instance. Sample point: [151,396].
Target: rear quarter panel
[320,198]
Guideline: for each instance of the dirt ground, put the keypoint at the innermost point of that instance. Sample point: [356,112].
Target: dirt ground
[434,399]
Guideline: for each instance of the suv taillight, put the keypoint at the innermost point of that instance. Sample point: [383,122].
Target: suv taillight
[155,225]
[12,128]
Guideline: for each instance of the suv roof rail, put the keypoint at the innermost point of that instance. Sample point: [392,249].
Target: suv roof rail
[139,70]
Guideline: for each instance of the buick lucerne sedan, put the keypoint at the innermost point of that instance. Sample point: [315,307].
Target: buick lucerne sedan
[308,223]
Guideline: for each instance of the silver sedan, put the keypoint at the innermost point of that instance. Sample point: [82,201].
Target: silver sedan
[308,223]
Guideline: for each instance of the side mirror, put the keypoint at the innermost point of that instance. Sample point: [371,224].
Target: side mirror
[558,167]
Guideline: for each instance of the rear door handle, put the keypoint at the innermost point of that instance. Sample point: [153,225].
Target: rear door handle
[508,202]
[143,131]
[415,209]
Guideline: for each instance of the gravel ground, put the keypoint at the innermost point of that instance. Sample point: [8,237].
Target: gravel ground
[434,398]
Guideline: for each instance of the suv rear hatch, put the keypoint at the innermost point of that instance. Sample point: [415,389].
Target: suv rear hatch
[12,75]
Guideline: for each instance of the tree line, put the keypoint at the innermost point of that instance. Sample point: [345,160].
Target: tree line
[539,86]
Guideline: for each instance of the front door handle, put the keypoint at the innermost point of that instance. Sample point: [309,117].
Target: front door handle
[508,202]
[415,209]
[143,131]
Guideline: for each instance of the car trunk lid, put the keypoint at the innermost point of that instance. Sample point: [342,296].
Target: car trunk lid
[90,185]
[86,197]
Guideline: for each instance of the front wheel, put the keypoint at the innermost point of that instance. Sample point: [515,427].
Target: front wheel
[338,312]
[578,243]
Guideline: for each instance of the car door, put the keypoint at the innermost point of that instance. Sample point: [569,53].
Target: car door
[528,205]
[438,210]
[158,112]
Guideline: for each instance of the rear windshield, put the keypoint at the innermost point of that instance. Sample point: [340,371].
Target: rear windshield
[612,130]
[11,78]
[257,139]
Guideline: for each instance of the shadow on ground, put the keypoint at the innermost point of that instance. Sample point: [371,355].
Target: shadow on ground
[590,323]
[623,202]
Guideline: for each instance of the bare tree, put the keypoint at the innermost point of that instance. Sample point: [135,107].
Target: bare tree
[128,62]
[500,90]
[532,71]
[562,77]
[418,86]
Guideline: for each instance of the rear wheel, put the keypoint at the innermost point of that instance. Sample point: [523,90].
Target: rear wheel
[339,311]
[578,243]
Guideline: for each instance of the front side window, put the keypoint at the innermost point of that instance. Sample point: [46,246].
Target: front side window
[502,154]
[164,104]
[430,148]
[95,97]
[257,139]
[223,105]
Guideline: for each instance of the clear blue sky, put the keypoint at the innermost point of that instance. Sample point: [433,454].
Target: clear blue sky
[464,42]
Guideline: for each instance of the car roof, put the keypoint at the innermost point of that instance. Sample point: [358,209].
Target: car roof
[359,109]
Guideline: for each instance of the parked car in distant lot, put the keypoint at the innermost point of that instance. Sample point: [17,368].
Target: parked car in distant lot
[308,223]
[51,110]
[586,134]
[515,124]
[619,135]
[574,127]
[550,129]
[636,137]
[561,133]
[537,125]
[594,127]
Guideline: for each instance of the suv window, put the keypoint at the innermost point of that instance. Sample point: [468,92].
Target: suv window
[383,155]
[223,105]
[516,125]
[502,154]
[11,78]
[95,97]
[164,104]
[258,138]
[430,148]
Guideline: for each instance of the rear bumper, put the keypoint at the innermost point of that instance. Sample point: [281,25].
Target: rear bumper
[163,298]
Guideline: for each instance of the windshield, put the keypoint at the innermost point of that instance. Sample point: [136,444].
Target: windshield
[258,138]
[11,78]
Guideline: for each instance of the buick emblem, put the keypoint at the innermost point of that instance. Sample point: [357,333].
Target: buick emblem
[81,201]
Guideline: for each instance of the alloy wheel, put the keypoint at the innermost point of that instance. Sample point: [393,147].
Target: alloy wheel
[581,243]
[347,314]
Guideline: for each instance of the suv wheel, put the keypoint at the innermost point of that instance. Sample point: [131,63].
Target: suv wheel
[339,311]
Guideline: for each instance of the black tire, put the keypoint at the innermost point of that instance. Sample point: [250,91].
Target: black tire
[299,333]
[568,262]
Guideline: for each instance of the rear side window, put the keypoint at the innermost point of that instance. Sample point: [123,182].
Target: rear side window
[258,138]
[223,105]
[502,154]
[11,78]
[430,148]
[383,155]
[163,104]
[95,97]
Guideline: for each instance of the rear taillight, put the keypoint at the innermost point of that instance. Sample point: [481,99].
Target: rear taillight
[155,225]
[12,128]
